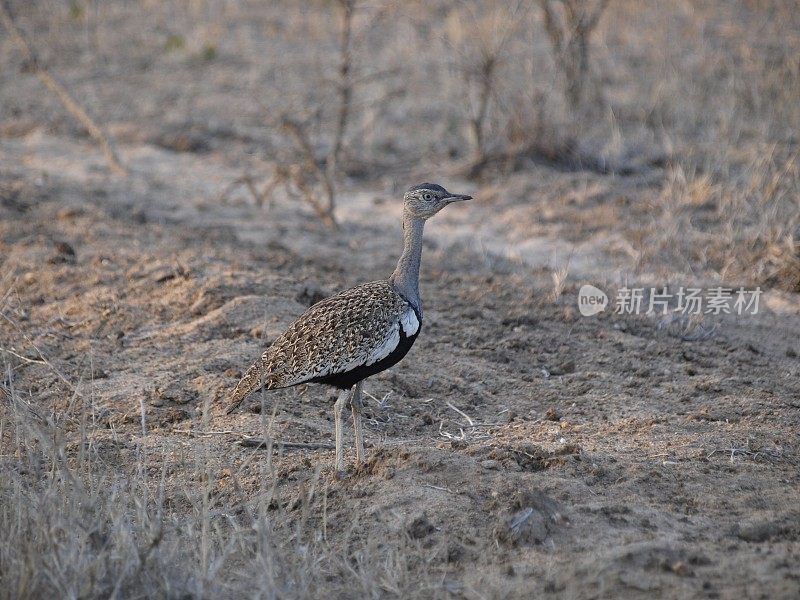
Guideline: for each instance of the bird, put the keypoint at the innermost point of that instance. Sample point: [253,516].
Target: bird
[342,340]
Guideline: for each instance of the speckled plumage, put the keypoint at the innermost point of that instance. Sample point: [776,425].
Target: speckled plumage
[353,328]
[348,337]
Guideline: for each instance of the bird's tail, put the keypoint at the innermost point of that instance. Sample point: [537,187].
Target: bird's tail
[250,382]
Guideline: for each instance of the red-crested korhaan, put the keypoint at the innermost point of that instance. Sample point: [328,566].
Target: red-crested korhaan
[343,339]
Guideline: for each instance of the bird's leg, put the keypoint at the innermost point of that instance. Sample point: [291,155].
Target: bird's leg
[338,411]
[356,405]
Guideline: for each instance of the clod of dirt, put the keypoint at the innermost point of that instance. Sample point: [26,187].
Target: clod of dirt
[384,463]
[174,392]
[563,368]
[681,568]
[211,297]
[420,527]
[65,249]
[641,563]
[456,552]
[552,414]
[173,415]
[110,448]
[527,526]
[159,271]
[184,139]
[69,212]
[530,457]
[524,320]
[532,516]
[65,254]
[205,301]
[648,557]
[714,414]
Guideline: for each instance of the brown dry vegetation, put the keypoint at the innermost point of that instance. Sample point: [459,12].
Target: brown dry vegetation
[520,450]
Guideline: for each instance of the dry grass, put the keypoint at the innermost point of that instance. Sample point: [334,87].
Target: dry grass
[76,523]
[745,230]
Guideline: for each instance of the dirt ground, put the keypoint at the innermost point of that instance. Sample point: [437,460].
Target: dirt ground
[520,450]
[603,457]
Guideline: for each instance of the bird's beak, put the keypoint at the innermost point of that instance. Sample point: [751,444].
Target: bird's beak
[457,198]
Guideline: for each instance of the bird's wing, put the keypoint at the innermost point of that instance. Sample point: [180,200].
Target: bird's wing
[359,326]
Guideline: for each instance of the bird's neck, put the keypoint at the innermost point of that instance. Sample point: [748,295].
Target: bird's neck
[406,275]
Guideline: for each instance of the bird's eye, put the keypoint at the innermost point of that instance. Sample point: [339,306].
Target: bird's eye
[427,196]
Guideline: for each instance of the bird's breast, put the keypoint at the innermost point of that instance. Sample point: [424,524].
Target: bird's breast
[410,322]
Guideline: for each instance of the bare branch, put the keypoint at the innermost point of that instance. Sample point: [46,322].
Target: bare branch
[297,131]
[552,26]
[345,85]
[570,34]
[594,18]
[69,102]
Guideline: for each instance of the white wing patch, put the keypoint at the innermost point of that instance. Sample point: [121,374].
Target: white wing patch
[409,322]
[386,348]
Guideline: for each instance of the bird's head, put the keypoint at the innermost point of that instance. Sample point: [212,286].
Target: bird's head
[426,199]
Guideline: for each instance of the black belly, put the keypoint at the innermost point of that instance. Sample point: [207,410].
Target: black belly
[348,379]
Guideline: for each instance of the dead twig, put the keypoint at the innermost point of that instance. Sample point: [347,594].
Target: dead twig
[196,433]
[471,429]
[451,436]
[772,454]
[43,358]
[249,442]
[252,442]
[31,361]
[383,403]
[314,179]
[69,102]
[441,489]
[462,413]
[299,175]
[259,196]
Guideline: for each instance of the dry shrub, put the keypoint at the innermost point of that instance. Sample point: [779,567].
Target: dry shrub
[478,34]
[570,25]
[745,229]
